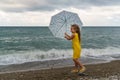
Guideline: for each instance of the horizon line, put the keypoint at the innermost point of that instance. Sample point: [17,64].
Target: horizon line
[47,26]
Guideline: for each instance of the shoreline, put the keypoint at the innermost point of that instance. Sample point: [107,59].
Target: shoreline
[94,71]
[48,64]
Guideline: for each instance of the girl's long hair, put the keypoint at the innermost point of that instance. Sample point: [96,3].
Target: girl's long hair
[77,29]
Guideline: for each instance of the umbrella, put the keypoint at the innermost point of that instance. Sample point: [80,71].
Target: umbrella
[61,23]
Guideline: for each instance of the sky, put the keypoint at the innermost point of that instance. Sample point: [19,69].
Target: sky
[39,12]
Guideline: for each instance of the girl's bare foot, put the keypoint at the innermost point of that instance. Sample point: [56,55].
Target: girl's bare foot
[82,69]
[74,71]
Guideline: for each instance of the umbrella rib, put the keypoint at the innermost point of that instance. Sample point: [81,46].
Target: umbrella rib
[73,19]
[62,25]
[69,17]
[59,29]
[54,22]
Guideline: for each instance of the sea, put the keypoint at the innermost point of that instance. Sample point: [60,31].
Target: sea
[28,44]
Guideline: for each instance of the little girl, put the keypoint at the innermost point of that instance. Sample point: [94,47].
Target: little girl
[76,44]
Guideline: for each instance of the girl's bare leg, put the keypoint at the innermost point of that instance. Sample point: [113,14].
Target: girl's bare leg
[81,67]
[76,67]
[78,63]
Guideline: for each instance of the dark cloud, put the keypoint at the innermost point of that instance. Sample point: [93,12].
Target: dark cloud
[49,5]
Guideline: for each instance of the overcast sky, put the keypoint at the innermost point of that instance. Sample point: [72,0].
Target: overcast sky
[39,12]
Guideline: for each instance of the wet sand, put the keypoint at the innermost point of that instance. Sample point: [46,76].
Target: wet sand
[103,71]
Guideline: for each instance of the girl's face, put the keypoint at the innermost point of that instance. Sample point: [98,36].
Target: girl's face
[73,30]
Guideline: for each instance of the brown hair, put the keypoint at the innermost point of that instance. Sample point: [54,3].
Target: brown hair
[77,29]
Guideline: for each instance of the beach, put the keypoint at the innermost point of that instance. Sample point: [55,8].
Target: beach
[33,53]
[101,71]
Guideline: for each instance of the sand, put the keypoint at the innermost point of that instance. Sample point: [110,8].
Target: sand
[102,71]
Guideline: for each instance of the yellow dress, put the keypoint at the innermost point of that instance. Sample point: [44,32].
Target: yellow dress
[76,44]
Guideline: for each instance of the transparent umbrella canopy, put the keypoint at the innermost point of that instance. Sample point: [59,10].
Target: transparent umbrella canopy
[61,23]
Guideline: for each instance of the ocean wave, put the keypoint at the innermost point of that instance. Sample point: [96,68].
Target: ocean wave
[110,53]
[17,39]
[35,55]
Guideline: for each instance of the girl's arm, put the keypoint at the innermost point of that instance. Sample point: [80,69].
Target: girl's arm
[69,37]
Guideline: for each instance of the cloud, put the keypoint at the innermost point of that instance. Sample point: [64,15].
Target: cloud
[39,12]
[51,5]
[101,16]
[26,19]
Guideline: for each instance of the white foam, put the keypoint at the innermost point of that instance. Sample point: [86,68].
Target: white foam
[36,55]
[109,53]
